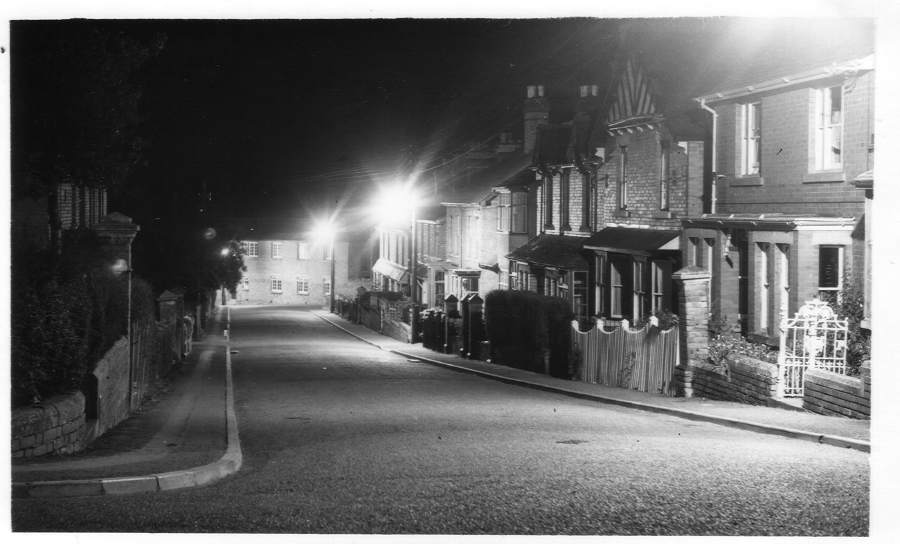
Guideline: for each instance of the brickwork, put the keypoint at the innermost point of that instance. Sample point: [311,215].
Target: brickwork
[833,394]
[740,379]
[788,182]
[57,426]
[256,288]
[642,173]
[693,313]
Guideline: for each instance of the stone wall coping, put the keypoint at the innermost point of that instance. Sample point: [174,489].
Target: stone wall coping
[691,273]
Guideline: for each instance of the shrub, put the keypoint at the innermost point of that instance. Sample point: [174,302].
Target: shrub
[859,341]
[522,326]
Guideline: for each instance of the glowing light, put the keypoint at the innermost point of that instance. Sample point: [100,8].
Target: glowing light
[324,231]
[394,205]
[225,251]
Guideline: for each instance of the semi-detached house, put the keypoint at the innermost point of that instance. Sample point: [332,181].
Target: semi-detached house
[786,223]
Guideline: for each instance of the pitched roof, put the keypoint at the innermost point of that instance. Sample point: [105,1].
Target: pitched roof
[552,250]
[511,170]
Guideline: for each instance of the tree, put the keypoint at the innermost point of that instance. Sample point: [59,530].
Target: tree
[75,102]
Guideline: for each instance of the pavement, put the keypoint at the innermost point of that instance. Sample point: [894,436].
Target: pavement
[185,435]
[188,435]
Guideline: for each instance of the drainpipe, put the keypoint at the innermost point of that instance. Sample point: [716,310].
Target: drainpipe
[715,125]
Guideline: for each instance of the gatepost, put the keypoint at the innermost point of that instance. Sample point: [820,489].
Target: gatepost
[693,324]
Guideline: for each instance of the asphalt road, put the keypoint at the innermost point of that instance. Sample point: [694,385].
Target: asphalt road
[340,437]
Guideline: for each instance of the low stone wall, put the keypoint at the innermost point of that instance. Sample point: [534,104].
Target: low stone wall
[111,372]
[740,379]
[57,426]
[836,395]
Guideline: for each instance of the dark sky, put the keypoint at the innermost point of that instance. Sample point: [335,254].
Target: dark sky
[285,117]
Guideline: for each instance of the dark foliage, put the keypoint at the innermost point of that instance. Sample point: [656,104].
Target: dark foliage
[523,326]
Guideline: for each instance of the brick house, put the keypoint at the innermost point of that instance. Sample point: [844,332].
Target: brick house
[287,267]
[786,219]
[552,261]
[611,193]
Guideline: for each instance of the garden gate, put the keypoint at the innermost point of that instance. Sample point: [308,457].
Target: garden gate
[815,338]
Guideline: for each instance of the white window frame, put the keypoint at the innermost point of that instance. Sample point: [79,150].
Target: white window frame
[616,289]
[750,138]
[276,284]
[245,283]
[664,187]
[840,272]
[276,250]
[252,249]
[302,250]
[302,285]
[826,128]
[326,282]
[784,279]
[623,178]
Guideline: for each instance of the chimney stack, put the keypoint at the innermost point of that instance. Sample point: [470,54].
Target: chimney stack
[537,112]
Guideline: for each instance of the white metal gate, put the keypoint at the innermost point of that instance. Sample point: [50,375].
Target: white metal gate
[815,338]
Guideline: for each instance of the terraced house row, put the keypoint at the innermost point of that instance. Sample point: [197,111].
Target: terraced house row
[761,180]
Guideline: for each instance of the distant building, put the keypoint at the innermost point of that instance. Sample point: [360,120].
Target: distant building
[786,220]
[287,267]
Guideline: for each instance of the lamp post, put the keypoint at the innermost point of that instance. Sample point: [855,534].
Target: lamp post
[324,230]
[224,253]
[393,203]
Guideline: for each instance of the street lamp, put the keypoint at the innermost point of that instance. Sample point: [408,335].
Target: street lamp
[324,230]
[225,252]
[392,206]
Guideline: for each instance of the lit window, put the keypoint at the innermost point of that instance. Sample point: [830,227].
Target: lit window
[302,250]
[503,209]
[519,212]
[245,283]
[302,286]
[750,139]
[251,249]
[829,124]
[276,284]
[276,250]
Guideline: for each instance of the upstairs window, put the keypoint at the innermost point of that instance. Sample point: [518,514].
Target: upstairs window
[326,281]
[750,139]
[519,212]
[829,123]
[302,250]
[503,205]
[276,250]
[251,249]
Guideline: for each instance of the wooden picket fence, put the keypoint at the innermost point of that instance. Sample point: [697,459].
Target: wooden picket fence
[642,359]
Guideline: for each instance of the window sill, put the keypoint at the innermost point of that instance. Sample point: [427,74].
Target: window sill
[621,213]
[662,215]
[747,181]
[825,176]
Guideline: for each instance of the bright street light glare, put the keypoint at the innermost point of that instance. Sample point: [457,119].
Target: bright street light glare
[225,251]
[323,231]
[394,205]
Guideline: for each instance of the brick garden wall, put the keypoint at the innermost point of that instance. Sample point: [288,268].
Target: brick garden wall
[741,379]
[833,394]
[57,426]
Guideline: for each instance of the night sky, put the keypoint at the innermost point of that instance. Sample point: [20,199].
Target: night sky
[290,117]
